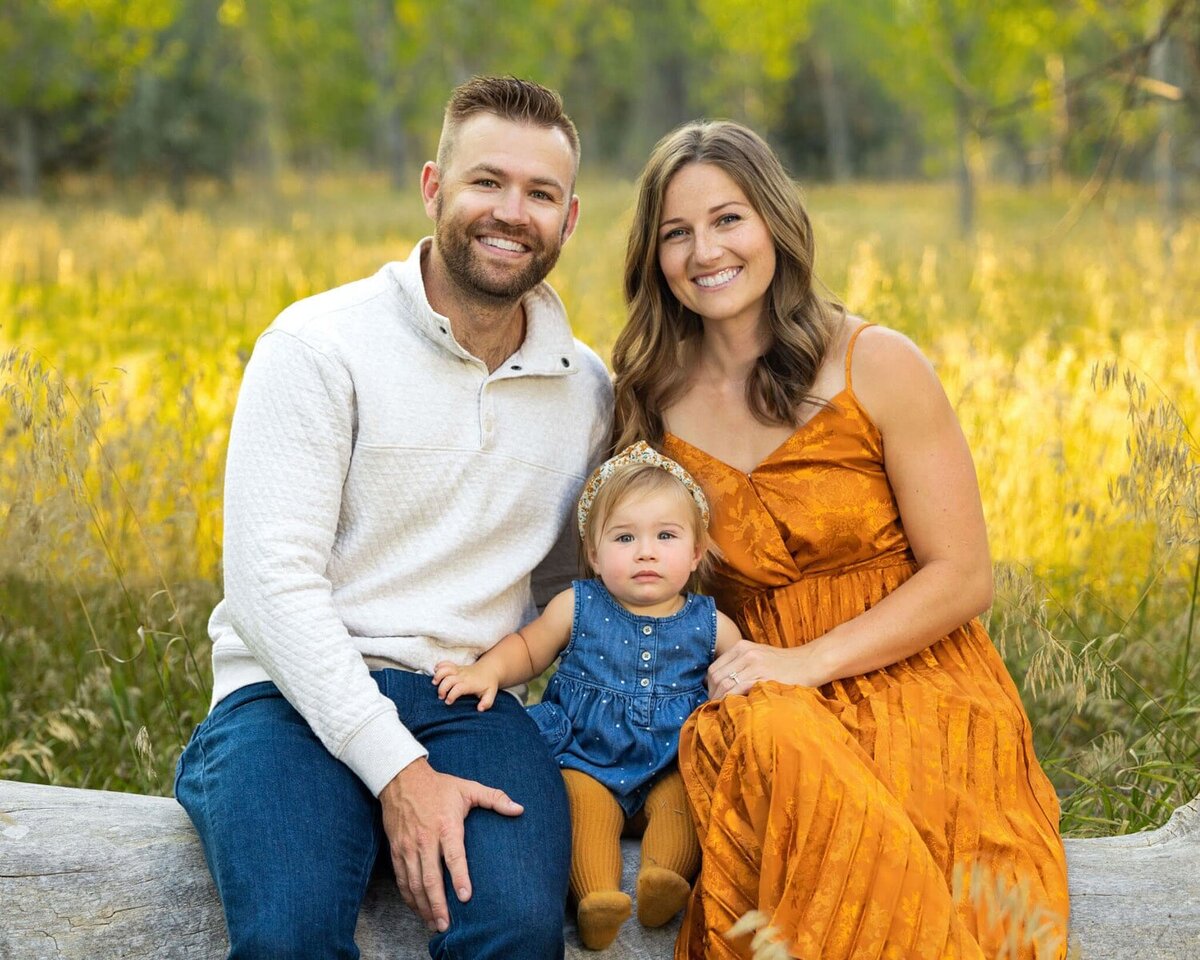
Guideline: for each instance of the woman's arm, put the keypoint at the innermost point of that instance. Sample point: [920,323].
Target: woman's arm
[933,478]
[517,658]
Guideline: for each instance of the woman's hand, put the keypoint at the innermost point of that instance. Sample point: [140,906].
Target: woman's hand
[748,663]
[454,681]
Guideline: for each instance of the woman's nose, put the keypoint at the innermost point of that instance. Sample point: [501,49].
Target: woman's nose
[707,248]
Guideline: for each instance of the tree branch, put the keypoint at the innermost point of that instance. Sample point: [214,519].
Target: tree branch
[1132,55]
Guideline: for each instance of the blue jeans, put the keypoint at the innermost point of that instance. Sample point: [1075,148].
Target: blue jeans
[291,835]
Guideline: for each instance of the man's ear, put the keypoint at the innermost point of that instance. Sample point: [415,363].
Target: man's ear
[572,218]
[431,183]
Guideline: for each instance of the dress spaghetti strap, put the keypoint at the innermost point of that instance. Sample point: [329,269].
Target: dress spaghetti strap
[850,352]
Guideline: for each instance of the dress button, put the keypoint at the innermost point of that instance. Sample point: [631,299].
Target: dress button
[645,681]
[645,654]
[647,629]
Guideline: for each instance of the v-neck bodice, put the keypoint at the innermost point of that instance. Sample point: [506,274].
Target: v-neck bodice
[820,503]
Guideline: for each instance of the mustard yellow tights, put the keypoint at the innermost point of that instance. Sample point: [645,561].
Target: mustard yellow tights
[670,856]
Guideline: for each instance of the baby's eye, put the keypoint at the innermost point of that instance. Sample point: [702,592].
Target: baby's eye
[666,535]
[625,538]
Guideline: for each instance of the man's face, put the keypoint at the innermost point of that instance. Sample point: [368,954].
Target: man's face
[502,206]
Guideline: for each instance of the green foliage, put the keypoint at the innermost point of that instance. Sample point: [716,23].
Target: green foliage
[188,112]
[1023,87]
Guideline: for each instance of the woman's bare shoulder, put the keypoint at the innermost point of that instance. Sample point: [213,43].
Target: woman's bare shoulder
[889,373]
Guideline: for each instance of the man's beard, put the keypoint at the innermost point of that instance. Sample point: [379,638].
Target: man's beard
[457,247]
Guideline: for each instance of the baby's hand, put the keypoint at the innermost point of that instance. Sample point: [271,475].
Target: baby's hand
[454,681]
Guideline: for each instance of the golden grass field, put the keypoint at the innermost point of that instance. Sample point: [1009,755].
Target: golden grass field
[1071,351]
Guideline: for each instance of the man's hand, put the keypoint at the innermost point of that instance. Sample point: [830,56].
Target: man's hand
[423,815]
[454,681]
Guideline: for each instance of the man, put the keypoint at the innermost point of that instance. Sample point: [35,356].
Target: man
[406,450]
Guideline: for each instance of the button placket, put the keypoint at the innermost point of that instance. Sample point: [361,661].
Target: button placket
[487,416]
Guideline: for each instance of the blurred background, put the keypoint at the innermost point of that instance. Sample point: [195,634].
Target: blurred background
[1024,91]
[1013,184]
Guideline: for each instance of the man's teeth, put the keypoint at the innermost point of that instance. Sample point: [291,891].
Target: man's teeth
[503,244]
[717,279]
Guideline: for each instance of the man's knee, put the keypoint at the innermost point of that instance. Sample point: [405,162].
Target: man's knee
[525,923]
[295,934]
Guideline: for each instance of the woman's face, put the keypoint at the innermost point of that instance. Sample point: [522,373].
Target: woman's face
[714,249]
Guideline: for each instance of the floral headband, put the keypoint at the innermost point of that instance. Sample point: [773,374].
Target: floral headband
[640,452]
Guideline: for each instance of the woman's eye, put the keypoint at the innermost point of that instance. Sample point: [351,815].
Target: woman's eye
[728,218]
[672,234]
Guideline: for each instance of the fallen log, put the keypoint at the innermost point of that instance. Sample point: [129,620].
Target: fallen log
[92,874]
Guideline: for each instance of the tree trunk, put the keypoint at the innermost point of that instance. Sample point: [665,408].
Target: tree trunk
[966,181]
[1166,171]
[27,155]
[962,128]
[833,108]
[89,873]
[1056,73]
[376,23]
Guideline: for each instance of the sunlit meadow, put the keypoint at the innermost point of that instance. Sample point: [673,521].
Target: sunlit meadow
[1069,347]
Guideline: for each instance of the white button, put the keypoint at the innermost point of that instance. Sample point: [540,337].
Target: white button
[645,681]
[645,654]
[647,629]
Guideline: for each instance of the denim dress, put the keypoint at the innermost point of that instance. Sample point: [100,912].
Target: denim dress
[623,688]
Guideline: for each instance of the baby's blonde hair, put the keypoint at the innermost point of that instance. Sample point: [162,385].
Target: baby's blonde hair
[642,479]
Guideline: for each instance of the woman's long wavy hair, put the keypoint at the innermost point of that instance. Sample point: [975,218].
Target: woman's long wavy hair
[653,355]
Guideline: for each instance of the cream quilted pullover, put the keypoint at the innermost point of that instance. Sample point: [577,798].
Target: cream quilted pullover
[387,498]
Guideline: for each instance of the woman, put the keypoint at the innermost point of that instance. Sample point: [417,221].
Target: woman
[864,773]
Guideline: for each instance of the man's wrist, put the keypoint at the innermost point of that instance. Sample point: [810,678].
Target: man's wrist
[395,787]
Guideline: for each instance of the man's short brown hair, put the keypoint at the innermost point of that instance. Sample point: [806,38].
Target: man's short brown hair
[510,98]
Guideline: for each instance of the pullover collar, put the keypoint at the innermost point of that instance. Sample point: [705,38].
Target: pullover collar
[548,349]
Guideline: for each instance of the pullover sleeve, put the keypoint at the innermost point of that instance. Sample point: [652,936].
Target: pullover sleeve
[289,452]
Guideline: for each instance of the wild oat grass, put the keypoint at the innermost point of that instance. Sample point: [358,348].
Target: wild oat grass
[1071,357]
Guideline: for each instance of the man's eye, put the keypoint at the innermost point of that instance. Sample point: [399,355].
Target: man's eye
[486,183]
[541,195]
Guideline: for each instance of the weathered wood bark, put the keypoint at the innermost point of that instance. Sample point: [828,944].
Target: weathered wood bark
[89,874]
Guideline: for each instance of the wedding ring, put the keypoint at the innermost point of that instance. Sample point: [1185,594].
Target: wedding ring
[733,677]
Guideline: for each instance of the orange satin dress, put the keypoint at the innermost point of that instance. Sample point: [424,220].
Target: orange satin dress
[899,814]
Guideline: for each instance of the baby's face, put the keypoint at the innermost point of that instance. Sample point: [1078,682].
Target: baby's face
[646,552]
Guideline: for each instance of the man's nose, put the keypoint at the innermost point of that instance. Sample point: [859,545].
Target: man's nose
[511,208]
